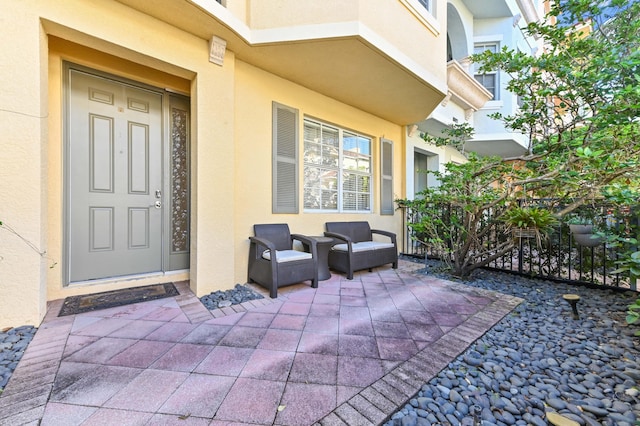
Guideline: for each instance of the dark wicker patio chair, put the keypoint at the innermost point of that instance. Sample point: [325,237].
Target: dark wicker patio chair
[354,248]
[288,266]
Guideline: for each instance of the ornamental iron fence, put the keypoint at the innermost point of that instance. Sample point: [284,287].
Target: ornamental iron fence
[558,257]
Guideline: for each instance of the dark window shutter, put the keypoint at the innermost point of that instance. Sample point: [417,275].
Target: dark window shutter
[285,156]
[386,177]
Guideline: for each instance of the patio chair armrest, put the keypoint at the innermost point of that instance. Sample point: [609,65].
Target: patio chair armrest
[337,236]
[340,237]
[391,235]
[307,242]
[262,242]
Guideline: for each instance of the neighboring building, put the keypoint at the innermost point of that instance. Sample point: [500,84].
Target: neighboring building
[472,27]
[143,139]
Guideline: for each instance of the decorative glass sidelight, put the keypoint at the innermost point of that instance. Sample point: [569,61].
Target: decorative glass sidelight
[179,181]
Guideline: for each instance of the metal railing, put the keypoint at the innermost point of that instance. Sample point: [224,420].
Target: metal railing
[557,257]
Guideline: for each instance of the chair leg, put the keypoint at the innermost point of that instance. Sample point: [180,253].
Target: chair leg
[273,293]
[314,283]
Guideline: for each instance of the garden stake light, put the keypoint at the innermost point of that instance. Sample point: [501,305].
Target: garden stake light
[573,300]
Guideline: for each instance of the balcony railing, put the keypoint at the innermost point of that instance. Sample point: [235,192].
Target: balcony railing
[558,258]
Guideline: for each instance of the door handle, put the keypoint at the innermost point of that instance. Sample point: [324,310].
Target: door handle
[158,203]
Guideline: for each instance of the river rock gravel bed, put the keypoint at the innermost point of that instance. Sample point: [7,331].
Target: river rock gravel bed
[234,296]
[537,360]
[13,342]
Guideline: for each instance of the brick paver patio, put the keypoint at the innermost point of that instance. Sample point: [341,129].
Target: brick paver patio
[347,353]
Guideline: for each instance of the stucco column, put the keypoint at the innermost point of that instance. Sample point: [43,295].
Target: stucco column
[23,118]
[212,191]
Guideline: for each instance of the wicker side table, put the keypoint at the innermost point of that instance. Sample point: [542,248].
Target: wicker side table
[324,245]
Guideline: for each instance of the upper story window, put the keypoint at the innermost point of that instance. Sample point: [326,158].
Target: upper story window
[337,169]
[489,79]
[426,4]
[425,11]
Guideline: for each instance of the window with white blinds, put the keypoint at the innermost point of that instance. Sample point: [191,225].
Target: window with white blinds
[337,169]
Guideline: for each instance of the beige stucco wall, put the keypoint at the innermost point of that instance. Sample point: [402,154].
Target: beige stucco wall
[230,143]
[384,23]
[23,118]
[255,92]
[31,117]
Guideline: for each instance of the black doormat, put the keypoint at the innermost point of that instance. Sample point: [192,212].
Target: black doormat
[110,299]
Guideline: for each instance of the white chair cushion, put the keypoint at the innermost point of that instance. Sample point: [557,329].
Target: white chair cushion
[383,245]
[286,255]
[363,246]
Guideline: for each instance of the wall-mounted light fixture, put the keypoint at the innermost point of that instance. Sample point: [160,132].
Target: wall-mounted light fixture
[412,130]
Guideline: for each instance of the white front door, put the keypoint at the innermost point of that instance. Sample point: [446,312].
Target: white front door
[114,178]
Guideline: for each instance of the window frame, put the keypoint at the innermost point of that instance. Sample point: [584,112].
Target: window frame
[340,169]
[426,4]
[426,15]
[479,47]
[493,89]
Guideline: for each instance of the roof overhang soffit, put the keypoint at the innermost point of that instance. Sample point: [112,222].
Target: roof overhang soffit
[344,61]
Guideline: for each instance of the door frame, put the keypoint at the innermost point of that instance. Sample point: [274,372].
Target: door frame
[168,98]
[172,261]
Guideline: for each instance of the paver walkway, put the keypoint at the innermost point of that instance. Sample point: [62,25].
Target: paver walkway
[347,353]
